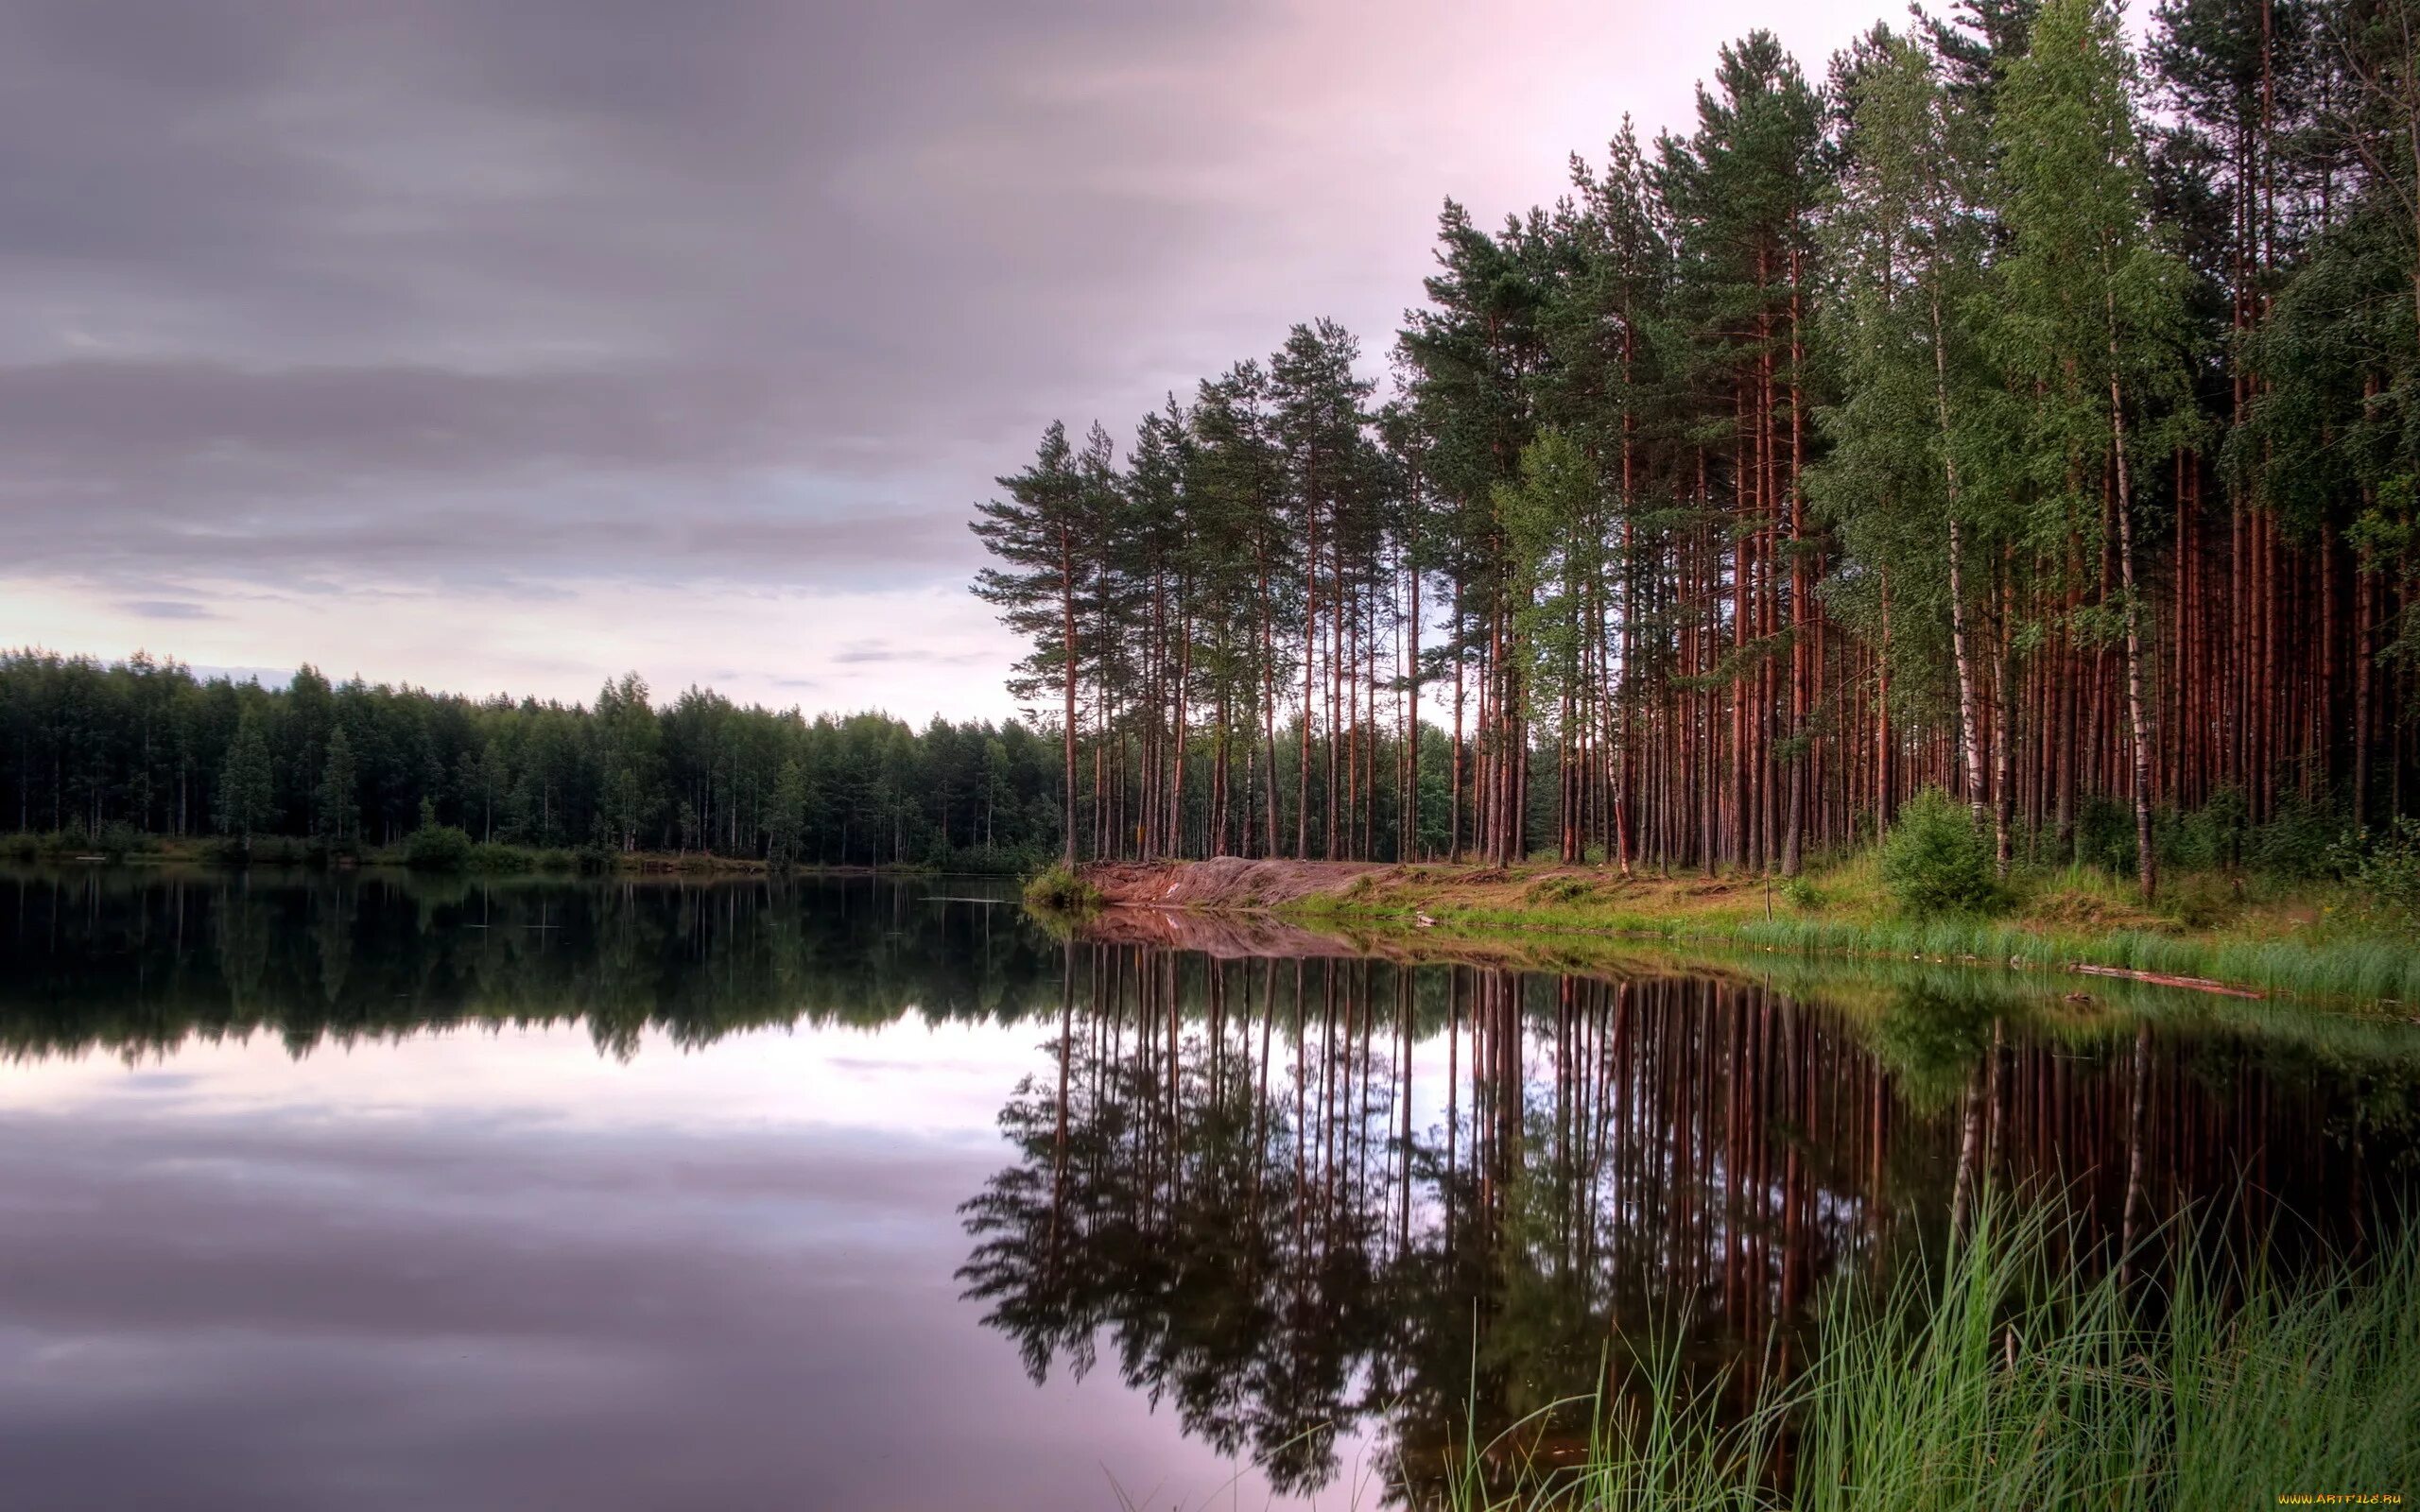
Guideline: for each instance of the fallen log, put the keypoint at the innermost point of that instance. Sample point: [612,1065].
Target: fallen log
[2195,984]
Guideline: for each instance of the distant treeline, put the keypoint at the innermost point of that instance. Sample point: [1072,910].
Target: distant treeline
[145,747]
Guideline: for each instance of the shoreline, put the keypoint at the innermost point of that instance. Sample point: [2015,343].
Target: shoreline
[2292,944]
[502,861]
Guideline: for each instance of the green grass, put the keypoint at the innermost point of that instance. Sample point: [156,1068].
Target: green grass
[2009,1380]
[2306,940]
[2371,970]
[1062,891]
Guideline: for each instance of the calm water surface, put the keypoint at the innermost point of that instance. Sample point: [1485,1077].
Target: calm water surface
[382,1192]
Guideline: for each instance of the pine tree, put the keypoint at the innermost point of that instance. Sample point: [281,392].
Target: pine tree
[1908,241]
[629,739]
[786,823]
[1042,535]
[1319,420]
[1475,353]
[245,795]
[339,793]
[2092,313]
[1742,188]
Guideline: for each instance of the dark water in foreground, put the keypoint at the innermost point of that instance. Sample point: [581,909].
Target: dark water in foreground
[379,1193]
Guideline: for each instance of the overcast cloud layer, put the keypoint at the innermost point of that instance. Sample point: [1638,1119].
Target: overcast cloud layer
[505,346]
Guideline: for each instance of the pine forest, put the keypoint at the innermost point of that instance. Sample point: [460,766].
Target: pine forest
[2020,409]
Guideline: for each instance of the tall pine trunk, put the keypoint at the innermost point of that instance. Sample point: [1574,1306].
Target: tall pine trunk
[1068,731]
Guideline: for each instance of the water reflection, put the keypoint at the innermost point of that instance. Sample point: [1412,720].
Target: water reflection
[1305,1196]
[1307,1207]
[136,961]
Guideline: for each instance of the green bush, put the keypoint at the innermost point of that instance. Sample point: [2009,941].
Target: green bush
[119,840]
[437,848]
[1938,860]
[2384,869]
[488,856]
[2210,838]
[1062,891]
[2301,841]
[2105,833]
[1802,894]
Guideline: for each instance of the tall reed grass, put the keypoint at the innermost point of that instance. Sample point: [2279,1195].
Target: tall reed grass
[2007,1379]
[2373,969]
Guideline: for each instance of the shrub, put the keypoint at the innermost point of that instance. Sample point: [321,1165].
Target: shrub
[2208,839]
[1802,894]
[119,840]
[1062,891]
[1938,861]
[488,856]
[2301,841]
[2384,868]
[2105,833]
[437,848]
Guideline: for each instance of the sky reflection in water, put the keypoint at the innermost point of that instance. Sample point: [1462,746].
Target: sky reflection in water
[476,1269]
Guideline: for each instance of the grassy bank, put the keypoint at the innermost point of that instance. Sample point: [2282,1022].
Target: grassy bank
[2306,938]
[2008,1380]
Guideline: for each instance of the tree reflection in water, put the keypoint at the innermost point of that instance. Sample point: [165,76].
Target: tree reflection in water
[1304,1196]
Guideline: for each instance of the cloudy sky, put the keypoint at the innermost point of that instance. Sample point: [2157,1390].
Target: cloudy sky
[502,347]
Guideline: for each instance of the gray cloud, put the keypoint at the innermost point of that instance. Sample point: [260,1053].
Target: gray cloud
[757,289]
[167,609]
[871,653]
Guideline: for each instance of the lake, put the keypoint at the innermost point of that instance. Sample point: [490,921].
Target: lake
[381,1192]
